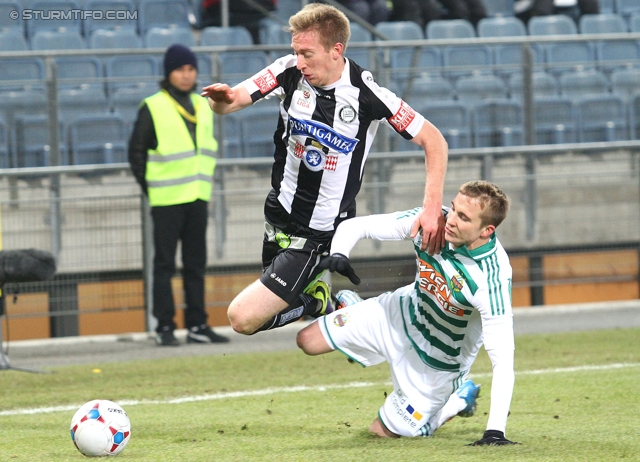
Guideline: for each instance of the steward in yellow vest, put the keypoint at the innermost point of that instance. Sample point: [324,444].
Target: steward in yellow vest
[172,155]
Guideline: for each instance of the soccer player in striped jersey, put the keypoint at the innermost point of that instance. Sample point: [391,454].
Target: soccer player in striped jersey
[431,330]
[330,111]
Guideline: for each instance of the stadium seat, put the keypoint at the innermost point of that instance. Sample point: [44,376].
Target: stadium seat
[634,22]
[113,39]
[452,119]
[125,18]
[606,6]
[499,8]
[634,116]
[272,32]
[164,37]
[625,82]
[555,24]
[76,103]
[429,87]
[80,72]
[162,13]
[626,8]
[610,54]
[126,103]
[236,66]
[12,40]
[602,24]
[580,83]
[508,58]
[400,30]
[497,123]
[257,125]
[15,104]
[57,40]
[449,29]
[6,23]
[475,88]
[601,118]
[359,33]
[222,36]
[31,138]
[544,84]
[567,56]
[131,71]
[5,158]
[555,120]
[232,136]
[287,8]
[44,20]
[21,74]
[98,139]
[508,26]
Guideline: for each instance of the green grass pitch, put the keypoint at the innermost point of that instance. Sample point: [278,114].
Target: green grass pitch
[575,399]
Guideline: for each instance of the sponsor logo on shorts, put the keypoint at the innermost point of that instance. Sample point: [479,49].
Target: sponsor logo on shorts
[265,81]
[405,410]
[340,320]
[403,117]
[278,280]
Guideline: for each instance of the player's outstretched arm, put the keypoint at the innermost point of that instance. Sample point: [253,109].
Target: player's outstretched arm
[223,99]
[431,222]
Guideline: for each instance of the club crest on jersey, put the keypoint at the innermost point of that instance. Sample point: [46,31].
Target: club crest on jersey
[314,160]
[456,283]
[340,320]
[347,114]
[324,134]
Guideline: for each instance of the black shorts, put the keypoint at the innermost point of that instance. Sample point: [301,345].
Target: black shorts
[290,262]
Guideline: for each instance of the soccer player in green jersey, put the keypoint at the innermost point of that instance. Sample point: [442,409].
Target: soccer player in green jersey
[431,330]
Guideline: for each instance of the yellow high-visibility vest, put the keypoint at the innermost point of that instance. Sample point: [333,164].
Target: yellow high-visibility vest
[177,171]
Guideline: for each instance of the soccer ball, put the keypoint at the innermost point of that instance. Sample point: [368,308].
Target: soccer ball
[100,428]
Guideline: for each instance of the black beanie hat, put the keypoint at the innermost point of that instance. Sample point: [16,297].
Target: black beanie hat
[178,56]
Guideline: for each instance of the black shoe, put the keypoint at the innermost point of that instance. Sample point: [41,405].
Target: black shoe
[166,338]
[204,334]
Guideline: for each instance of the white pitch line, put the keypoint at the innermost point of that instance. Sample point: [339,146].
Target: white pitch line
[302,388]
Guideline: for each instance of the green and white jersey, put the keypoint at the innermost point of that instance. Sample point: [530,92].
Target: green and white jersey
[461,298]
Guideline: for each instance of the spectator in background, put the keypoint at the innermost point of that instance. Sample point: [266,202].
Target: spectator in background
[470,10]
[423,11]
[172,156]
[372,11]
[526,9]
[240,14]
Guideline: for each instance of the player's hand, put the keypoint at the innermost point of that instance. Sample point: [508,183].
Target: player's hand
[340,263]
[219,93]
[492,438]
[432,228]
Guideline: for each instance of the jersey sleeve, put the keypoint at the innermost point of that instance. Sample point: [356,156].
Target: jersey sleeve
[393,110]
[270,81]
[384,227]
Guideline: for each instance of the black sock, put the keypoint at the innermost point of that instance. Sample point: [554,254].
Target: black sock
[305,305]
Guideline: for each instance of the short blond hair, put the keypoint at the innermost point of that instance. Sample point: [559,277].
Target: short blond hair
[493,201]
[331,24]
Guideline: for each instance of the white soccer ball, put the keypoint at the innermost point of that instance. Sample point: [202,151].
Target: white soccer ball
[100,428]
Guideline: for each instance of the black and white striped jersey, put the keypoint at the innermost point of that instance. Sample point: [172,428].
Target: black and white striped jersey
[323,137]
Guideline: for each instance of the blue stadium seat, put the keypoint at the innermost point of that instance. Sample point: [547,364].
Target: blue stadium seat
[164,37]
[15,104]
[508,58]
[617,54]
[359,33]
[601,118]
[222,36]
[113,39]
[5,158]
[508,26]
[449,29]
[625,82]
[257,125]
[57,40]
[364,57]
[602,24]
[580,83]
[126,102]
[272,32]
[408,62]
[497,123]
[232,139]
[634,116]
[555,24]
[98,139]
[475,88]
[12,40]
[236,66]
[634,22]
[287,8]
[162,13]
[555,120]
[6,23]
[131,71]
[626,8]
[544,84]
[31,139]
[607,6]
[76,103]
[80,72]
[45,22]
[21,74]
[400,30]
[452,119]
[125,16]
[429,87]
[498,7]
[566,56]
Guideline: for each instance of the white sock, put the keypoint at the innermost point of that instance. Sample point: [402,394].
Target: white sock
[451,408]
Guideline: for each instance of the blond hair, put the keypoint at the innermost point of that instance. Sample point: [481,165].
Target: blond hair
[331,24]
[493,201]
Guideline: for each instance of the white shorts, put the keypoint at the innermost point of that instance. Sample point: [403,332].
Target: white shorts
[373,331]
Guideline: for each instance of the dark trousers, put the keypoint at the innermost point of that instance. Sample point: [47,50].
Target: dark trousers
[186,223]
